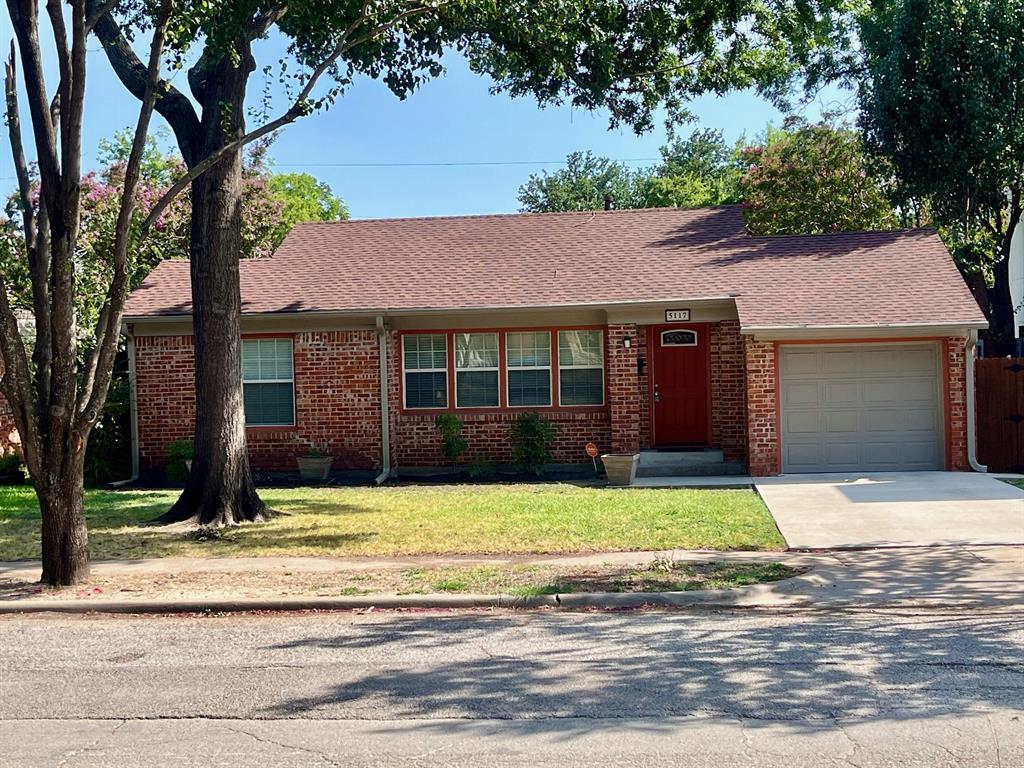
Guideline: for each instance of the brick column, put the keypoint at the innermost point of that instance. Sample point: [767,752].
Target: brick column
[955,349]
[762,407]
[623,387]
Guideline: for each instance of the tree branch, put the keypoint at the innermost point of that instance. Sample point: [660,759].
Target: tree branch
[174,106]
[298,108]
[101,360]
[98,12]
[36,235]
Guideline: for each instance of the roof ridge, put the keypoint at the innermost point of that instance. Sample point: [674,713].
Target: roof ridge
[847,232]
[516,214]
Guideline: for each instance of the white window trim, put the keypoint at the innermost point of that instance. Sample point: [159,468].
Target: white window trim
[291,351]
[549,368]
[696,337]
[458,370]
[582,368]
[406,370]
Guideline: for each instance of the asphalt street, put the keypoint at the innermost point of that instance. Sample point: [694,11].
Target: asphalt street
[694,688]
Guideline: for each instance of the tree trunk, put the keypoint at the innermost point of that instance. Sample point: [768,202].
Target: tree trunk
[219,489]
[1002,321]
[65,537]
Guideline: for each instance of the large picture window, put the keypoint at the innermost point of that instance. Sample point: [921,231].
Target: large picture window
[528,358]
[425,361]
[476,370]
[580,368]
[268,382]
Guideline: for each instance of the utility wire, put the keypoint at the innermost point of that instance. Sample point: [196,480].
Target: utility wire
[452,164]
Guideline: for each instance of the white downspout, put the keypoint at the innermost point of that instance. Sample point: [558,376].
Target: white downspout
[385,420]
[970,353]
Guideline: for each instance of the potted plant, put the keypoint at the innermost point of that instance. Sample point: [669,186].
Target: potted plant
[620,467]
[315,465]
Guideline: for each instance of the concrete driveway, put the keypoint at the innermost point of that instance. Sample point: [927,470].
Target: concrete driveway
[894,509]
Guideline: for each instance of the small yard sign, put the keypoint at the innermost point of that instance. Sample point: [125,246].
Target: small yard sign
[677,315]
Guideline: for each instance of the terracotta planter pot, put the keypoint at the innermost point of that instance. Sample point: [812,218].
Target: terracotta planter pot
[620,467]
[314,467]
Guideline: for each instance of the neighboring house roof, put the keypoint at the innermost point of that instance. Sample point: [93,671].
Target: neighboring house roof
[904,277]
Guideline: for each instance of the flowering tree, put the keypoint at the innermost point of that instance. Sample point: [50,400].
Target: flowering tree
[810,179]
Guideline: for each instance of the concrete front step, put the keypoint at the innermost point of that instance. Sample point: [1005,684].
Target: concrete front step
[687,464]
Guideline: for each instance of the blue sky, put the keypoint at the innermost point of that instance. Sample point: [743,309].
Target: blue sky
[451,120]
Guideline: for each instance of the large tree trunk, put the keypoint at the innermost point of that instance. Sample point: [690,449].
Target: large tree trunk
[220,489]
[65,537]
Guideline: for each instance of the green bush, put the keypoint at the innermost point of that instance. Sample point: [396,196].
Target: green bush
[453,444]
[533,439]
[178,453]
[10,468]
[482,468]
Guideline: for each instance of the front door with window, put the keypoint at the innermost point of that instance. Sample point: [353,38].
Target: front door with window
[679,376]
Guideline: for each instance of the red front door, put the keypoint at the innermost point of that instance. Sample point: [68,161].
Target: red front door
[679,376]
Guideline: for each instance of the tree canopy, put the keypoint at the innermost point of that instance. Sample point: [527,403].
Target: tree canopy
[938,93]
[810,179]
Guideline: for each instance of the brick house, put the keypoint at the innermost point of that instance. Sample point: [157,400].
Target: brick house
[661,329]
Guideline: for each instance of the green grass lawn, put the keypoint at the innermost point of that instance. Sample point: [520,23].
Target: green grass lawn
[412,520]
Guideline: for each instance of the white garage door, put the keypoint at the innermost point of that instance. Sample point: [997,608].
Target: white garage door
[860,407]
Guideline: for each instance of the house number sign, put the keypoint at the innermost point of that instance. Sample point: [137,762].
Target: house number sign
[677,315]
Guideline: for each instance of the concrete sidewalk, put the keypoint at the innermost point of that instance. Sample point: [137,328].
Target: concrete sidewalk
[932,578]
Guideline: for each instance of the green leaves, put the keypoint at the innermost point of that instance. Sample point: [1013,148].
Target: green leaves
[812,179]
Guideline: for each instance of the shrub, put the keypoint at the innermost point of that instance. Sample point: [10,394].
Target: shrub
[178,453]
[453,444]
[532,440]
[482,468]
[10,468]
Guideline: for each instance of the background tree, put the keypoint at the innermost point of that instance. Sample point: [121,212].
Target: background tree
[303,197]
[585,183]
[626,57]
[810,179]
[701,169]
[56,381]
[940,88]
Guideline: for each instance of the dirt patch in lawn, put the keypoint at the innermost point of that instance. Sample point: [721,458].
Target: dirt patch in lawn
[522,580]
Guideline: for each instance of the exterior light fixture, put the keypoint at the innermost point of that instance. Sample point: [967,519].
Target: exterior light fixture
[627,342]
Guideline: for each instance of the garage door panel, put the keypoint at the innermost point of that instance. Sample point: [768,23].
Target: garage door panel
[802,423]
[840,392]
[803,394]
[861,407]
[841,421]
[833,362]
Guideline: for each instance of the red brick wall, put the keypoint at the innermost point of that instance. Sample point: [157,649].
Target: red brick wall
[337,401]
[762,400]
[728,390]
[956,351]
[624,394]
[8,433]
[418,442]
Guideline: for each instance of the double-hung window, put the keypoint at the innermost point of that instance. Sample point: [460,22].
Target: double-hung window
[580,368]
[268,382]
[476,370]
[528,360]
[425,361]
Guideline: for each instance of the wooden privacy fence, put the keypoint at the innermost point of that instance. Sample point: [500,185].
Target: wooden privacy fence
[1000,404]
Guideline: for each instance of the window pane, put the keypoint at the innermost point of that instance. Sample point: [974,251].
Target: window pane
[268,404]
[425,350]
[476,350]
[580,348]
[528,349]
[581,386]
[426,390]
[529,387]
[476,389]
[266,359]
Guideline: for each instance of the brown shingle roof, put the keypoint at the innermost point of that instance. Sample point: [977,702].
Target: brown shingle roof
[607,257]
